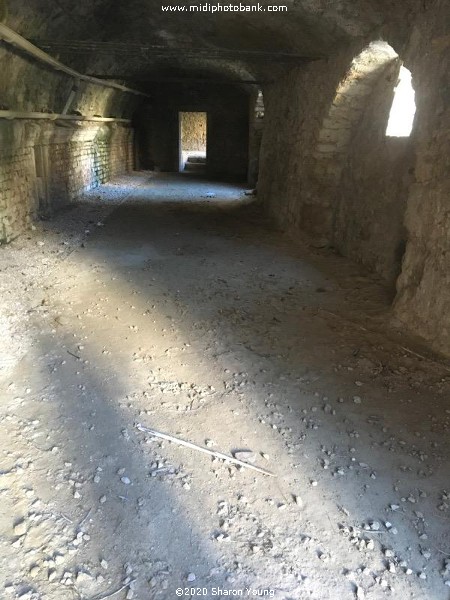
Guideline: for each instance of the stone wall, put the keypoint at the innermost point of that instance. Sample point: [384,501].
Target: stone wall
[81,164]
[372,195]
[293,184]
[18,198]
[193,131]
[44,166]
[157,128]
[423,300]
[328,169]
[256,127]
[337,176]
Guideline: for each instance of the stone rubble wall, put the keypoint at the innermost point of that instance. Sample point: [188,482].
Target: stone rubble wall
[291,179]
[335,174]
[327,168]
[423,288]
[375,180]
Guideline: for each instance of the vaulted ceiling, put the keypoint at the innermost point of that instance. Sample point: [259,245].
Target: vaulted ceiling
[137,41]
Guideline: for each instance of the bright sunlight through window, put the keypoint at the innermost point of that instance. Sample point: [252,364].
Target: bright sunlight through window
[403,107]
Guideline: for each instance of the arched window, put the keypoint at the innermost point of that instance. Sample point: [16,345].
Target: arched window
[403,109]
[351,99]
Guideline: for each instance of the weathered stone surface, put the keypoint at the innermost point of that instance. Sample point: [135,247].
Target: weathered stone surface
[76,160]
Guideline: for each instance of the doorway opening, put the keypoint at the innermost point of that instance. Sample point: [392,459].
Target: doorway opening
[192,141]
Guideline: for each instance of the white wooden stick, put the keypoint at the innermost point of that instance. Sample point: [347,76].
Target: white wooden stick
[114,593]
[180,442]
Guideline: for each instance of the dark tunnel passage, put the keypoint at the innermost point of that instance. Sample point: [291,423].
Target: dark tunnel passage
[228,223]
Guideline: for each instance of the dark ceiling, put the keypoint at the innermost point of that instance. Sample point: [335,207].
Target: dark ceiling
[137,41]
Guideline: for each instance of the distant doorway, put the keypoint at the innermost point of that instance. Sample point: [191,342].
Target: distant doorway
[192,132]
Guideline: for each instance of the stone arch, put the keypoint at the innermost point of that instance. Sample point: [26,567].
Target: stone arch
[349,102]
[357,152]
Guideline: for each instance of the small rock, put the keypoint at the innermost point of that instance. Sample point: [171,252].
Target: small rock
[298,500]
[51,575]
[422,575]
[83,577]
[34,571]
[245,456]
[360,593]
[20,528]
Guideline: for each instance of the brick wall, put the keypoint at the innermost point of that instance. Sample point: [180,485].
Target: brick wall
[18,200]
[81,165]
[43,167]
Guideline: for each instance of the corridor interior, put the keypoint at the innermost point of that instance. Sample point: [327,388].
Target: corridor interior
[153,303]
[224,301]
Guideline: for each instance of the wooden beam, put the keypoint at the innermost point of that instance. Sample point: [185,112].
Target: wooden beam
[10,115]
[12,38]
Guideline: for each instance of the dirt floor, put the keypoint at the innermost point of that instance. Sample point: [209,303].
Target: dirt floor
[167,302]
